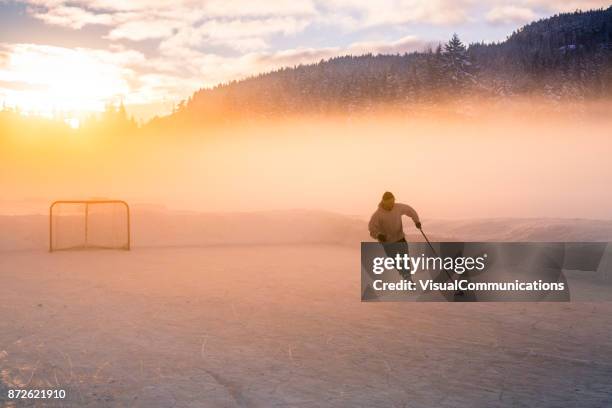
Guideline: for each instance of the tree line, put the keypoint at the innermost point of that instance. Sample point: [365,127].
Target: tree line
[564,57]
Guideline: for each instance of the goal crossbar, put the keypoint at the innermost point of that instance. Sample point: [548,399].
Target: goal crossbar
[87,203]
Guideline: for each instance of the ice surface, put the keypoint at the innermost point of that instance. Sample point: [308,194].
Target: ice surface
[280,326]
[263,325]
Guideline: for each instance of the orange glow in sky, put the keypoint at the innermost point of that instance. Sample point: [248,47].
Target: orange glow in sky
[52,79]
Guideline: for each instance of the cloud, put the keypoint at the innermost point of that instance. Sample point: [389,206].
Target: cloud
[568,5]
[242,26]
[292,57]
[71,17]
[510,15]
[79,13]
[524,11]
[357,14]
[131,19]
[20,86]
[238,34]
[406,44]
[143,30]
[247,8]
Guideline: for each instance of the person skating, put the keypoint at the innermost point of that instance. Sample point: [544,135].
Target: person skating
[386,227]
[386,222]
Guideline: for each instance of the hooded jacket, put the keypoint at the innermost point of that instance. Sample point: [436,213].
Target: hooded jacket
[389,223]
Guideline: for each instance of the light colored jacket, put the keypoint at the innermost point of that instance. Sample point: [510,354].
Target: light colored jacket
[389,223]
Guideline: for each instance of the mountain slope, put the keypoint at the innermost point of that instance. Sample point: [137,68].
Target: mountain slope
[564,57]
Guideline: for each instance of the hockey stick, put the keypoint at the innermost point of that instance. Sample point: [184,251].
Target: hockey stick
[458,292]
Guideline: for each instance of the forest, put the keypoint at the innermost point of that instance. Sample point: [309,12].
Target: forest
[563,58]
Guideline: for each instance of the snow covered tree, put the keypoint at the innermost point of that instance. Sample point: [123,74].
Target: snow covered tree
[457,64]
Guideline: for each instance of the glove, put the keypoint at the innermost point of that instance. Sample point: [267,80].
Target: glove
[381,238]
[418,225]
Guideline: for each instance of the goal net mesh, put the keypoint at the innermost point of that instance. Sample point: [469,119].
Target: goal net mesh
[79,225]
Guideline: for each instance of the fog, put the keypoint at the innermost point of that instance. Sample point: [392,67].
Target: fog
[471,166]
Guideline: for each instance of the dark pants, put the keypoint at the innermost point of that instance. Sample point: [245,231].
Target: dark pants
[398,248]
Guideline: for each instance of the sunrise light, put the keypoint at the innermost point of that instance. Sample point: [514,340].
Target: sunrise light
[49,80]
[318,203]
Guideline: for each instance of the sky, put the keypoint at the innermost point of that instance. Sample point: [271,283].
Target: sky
[73,57]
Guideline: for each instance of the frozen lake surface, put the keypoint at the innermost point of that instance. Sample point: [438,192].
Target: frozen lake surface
[280,325]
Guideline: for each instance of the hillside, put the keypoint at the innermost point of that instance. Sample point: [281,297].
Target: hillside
[567,57]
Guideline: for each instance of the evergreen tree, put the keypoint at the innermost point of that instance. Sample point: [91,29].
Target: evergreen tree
[457,64]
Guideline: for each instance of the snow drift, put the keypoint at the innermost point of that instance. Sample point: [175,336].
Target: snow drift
[158,227]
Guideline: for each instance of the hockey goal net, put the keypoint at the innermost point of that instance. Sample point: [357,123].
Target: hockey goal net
[102,224]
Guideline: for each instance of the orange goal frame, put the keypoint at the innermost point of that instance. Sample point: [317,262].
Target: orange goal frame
[87,203]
